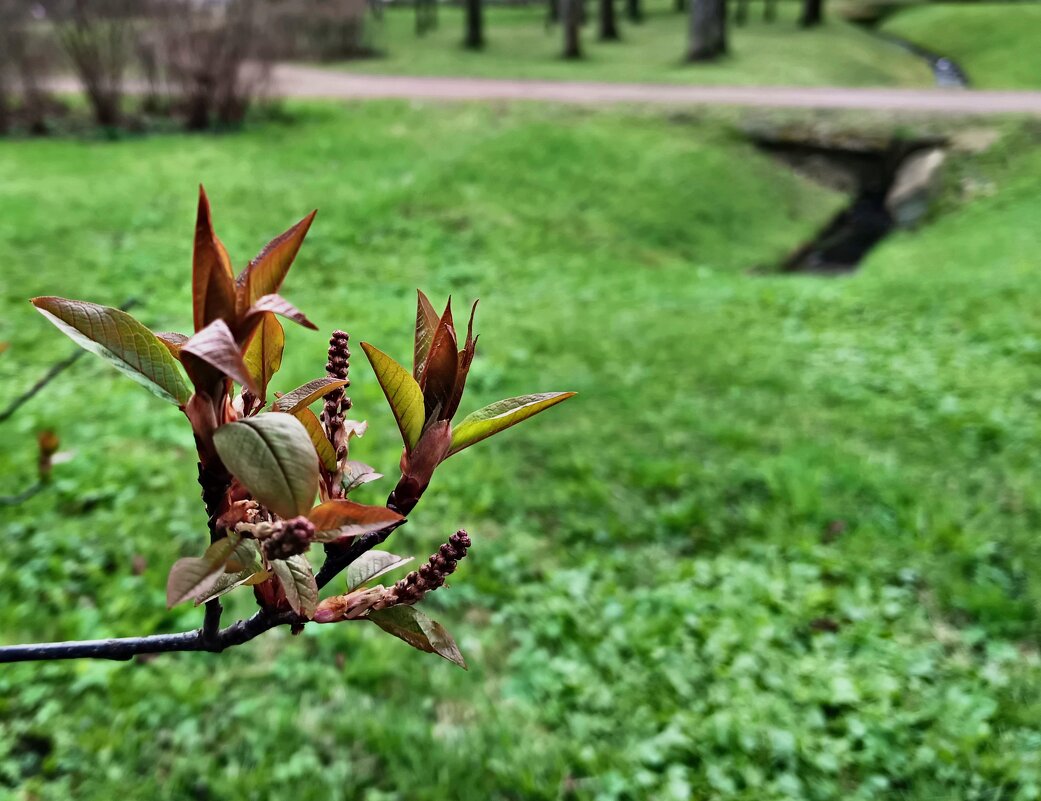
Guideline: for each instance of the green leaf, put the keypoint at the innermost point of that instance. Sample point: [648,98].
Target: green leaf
[263,356]
[372,564]
[322,446]
[500,416]
[297,580]
[343,518]
[302,397]
[272,455]
[193,576]
[409,624]
[402,392]
[242,568]
[120,340]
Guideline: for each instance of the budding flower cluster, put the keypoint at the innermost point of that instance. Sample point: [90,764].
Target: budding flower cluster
[337,404]
[293,537]
[430,576]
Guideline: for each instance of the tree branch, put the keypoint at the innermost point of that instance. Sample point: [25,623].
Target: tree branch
[128,647]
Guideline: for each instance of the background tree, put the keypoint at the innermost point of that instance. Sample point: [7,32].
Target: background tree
[426,16]
[633,10]
[97,36]
[708,30]
[608,22]
[812,13]
[741,12]
[571,17]
[474,39]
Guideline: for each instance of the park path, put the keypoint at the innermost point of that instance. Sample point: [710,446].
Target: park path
[292,80]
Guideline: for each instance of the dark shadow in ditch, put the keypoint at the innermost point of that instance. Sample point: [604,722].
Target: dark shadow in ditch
[947,72]
[867,171]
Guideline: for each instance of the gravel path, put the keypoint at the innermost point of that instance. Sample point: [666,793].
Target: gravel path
[301,81]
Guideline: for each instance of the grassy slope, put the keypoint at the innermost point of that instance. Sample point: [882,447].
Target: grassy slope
[521,46]
[753,461]
[996,44]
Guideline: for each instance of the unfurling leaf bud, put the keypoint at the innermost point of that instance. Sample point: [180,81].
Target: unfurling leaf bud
[430,576]
[294,537]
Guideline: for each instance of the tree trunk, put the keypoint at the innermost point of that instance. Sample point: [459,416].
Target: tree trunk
[708,30]
[634,10]
[552,12]
[741,12]
[608,23]
[571,16]
[680,6]
[812,13]
[769,10]
[474,25]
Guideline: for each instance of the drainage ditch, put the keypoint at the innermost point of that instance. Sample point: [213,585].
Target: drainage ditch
[890,182]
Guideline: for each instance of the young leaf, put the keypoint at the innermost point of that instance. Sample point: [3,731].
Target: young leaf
[243,567]
[356,474]
[277,305]
[120,340]
[298,583]
[265,274]
[442,368]
[192,575]
[402,392]
[272,455]
[372,564]
[173,342]
[263,356]
[426,324]
[409,624]
[215,346]
[345,518]
[500,416]
[302,397]
[322,446]
[213,284]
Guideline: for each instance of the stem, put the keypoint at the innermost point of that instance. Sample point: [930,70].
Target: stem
[128,647]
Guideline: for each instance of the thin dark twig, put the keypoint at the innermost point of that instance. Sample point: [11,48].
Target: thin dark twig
[23,496]
[51,374]
[128,647]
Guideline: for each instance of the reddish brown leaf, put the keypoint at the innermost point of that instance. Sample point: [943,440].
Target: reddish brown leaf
[442,367]
[349,519]
[213,283]
[173,342]
[426,324]
[216,347]
[265,274]
[466,357]
[409,624]
[275,304]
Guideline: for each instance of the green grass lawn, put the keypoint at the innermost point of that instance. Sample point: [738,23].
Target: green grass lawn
[784,545]
[997,44]
[521,46]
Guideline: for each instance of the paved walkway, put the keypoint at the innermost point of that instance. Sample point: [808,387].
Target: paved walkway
[300,81]
[291,80]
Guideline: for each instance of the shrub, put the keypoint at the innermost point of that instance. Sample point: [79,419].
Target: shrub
[261,464]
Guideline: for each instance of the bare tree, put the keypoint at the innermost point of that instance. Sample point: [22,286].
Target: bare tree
[571,16]
[216,59]
[474,38]
[812,13]
[98,38]
[708,30]
[608,22]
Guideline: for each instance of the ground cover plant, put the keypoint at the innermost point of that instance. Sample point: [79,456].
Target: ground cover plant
[995,43]
[783,546]
[521,45]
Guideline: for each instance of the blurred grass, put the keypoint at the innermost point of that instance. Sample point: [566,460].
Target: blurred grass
[997,44]
[783,545]
[520,45]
